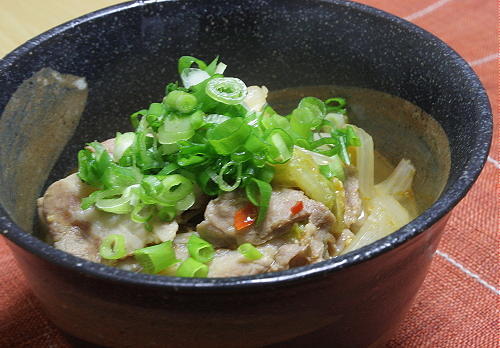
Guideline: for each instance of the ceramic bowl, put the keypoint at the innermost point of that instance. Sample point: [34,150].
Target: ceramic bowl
[127,53]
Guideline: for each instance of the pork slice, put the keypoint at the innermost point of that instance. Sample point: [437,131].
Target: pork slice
[57,210]
[80,232]
[218,226]
[277,255]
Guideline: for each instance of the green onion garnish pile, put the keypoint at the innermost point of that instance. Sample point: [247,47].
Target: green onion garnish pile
[202,137]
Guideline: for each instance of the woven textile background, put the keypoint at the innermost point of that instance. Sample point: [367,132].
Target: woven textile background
[458,303]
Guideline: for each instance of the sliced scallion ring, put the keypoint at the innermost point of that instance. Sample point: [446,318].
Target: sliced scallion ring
[223,184]
[113,247]
[200,249]
[281,148]
[192,268]
[157,257]
[249,251]
[227,90]
[259,194]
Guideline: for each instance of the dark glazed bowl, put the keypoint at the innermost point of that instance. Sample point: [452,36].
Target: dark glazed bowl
[126,54]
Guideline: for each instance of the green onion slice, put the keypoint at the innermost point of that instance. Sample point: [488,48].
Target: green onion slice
[281,148]
[192,268]
[249,251]
[181,101]
[175,129]
[134,118]
[344,155]
[167,213]
[142,213]
[121,205]
[227,90]
[225,170]
[317,107]
[157,257]
[328,146]
[191,77]
[352,138]
[174,188]
[336,105]
[186,203]
[113,247]
[258,193]
[200,249]
[187,61]
[122,143]
[227,136]
[216,118]
[207,183]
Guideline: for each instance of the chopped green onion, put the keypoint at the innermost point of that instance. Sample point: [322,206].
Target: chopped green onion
[174,188]
[175,129]
[336,105]
[120,205]
[337,168]
[113,247]
[336,119]
[281,148]
[181,101]
[210,69]
[249,251]
[205,134]
[168,169]
[227,90]
[316,106]
[258,193]
[265,173]
[134,118]
[185,203]
[191,77]
[155,115]
[157,257]
[167,213]
[352,138]
[200,249]
[192,268]
[215,118]
[220,68]
[344,155]
[302,121]
[142,213]
[227,136]
[118,176]
[122,143]
[207,184]
[328,146]
[226,169]
[187,61]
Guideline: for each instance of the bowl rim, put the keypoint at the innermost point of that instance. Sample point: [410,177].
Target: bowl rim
[445,203]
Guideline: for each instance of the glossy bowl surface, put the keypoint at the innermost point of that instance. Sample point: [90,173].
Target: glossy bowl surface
[126,54]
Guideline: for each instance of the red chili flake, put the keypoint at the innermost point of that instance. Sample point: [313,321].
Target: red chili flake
[297,208]
[245,216]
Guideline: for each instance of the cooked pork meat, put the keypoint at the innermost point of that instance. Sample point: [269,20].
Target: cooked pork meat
[80,232]
[278,254]
[218,226]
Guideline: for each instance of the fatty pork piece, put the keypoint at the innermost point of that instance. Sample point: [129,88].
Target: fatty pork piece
[278,254]
[80,232]
[218,226]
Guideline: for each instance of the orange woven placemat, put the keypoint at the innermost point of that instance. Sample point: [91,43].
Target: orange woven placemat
[458,303]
